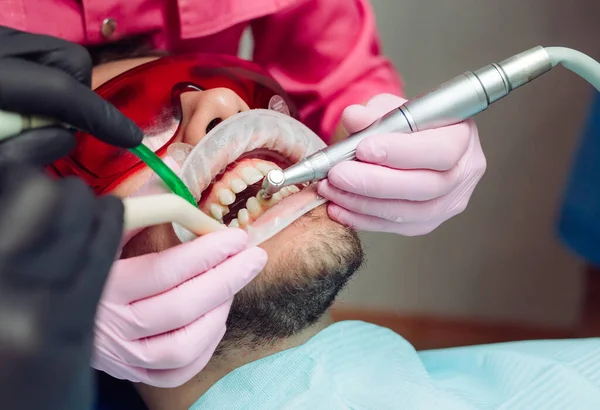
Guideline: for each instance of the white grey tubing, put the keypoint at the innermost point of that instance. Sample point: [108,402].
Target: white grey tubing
[579,63]
[144,211]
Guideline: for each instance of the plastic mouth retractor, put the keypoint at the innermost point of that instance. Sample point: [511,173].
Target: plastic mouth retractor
[244,132]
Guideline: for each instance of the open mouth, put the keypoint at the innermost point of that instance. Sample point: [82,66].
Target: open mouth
[233,198]
[224,171]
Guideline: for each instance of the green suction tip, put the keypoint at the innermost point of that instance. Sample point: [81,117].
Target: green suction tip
[164,172]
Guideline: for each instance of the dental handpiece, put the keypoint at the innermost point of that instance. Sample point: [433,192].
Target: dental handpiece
[450,103]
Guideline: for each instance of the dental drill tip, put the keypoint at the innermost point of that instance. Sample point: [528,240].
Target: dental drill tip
[264,195]
[275,177]
[273,182]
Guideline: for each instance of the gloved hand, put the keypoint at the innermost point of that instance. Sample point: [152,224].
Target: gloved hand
[46,76]
[407,184]
[162,315]
[57,243]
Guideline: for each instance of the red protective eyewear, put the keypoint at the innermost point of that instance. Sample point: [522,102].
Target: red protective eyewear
[149,95]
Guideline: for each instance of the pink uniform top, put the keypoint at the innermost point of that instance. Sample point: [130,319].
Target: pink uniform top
[325,53]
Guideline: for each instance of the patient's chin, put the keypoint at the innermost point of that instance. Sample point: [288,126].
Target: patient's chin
[309,264]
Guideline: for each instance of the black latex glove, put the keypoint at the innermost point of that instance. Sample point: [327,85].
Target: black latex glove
[46,76]
[57,244]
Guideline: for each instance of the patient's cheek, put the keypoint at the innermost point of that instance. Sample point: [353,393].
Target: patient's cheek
[308,232]
[132,184]
[145,182]
[152,239]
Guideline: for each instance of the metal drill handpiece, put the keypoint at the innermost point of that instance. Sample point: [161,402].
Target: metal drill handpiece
[450,103]
[272,183]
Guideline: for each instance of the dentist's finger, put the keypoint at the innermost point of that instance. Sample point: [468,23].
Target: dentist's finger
[182,347]
[438,150]
[190,300]
[373,224]
[357,117]
[159,272]
[395,210]
[69,57]
[383,103]
[171,378]
[40,146]
[30,88]
[375,181]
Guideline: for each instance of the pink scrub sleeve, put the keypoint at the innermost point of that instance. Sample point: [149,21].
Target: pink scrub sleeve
[326,54]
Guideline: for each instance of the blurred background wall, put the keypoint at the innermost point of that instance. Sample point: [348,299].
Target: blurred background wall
[500,261]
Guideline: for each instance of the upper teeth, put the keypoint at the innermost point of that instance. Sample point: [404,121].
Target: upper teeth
[237,185]
[254,205]
[264,167]
[251,175]
[226,196]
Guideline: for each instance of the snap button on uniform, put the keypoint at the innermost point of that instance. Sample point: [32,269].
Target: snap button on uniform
[109,26]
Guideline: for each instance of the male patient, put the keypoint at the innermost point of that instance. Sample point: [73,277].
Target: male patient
[281,349]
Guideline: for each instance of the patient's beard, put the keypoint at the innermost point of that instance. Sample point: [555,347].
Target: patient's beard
[295,291]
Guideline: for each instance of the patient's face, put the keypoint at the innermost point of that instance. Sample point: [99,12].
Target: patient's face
[309,262]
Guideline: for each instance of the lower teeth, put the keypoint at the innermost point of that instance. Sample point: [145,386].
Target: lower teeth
[255,207]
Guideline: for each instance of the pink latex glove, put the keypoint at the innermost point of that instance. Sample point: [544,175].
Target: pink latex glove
[403,183]
[162,315]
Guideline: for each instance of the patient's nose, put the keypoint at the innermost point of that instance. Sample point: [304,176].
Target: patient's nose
[204,110]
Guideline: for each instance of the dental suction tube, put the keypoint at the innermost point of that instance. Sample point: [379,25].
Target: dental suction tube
[450,103]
